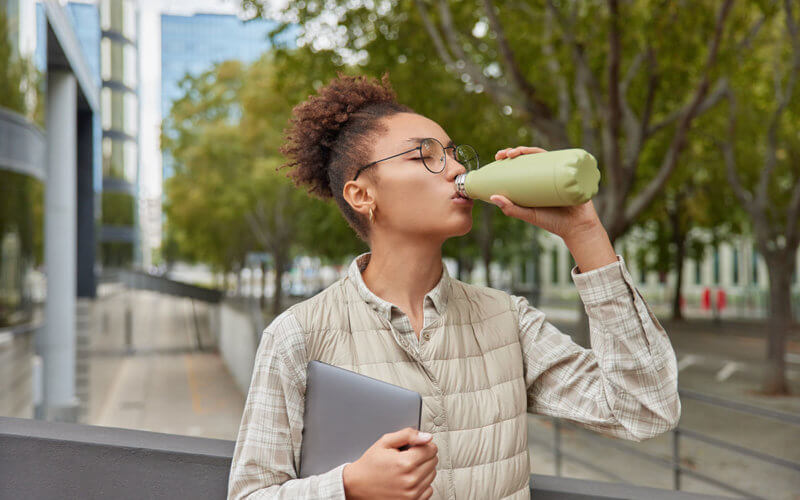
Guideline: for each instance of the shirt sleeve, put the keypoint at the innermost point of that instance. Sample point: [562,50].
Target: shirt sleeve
[626,385]
[267,452]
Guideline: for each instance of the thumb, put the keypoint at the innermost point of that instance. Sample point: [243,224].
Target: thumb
[405,436]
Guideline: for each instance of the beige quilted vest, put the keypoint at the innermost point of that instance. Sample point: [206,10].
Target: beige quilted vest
[470,377]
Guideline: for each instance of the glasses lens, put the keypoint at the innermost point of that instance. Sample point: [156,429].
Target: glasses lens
[467,156]
[432,153]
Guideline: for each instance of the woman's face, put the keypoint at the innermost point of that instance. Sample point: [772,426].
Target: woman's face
[409,199]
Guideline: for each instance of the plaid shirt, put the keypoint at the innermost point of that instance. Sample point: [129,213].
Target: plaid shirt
[625,386]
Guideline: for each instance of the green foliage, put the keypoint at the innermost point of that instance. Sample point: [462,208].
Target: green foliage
[20,82]
[227,196]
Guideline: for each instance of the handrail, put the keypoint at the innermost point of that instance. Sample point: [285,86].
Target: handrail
[675,463]
[143,281]
[789,418]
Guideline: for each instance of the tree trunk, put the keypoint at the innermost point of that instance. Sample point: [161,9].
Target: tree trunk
[780,266]
[262,302]
[280,265]
[679,238]
[238,280]
[677,312]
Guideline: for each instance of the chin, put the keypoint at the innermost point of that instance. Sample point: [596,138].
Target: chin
[462,229]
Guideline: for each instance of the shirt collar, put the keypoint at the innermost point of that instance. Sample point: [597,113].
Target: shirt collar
[438,295]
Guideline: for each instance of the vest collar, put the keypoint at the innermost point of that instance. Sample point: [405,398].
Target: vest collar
[438,295]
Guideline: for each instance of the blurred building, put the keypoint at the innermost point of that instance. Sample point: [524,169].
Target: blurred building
[735,267]
[49,105]
[193,44]
[119,238]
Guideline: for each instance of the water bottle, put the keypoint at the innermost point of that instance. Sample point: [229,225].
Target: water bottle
[558,178]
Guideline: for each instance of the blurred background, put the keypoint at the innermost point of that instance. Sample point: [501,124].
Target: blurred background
[146,238]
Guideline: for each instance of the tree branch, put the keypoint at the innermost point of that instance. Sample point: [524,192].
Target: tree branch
[555,69]
[611,132]
[729,155]
[671,158]
[784,95]
[793,217]
[510,62]
[709,102]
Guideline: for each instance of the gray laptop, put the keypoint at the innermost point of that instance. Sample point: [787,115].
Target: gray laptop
[346,412]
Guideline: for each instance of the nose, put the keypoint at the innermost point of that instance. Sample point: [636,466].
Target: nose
[453,168]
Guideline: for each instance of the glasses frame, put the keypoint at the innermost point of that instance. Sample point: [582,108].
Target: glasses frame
[444,148]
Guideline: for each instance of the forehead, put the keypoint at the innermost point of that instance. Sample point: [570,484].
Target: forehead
[403,128]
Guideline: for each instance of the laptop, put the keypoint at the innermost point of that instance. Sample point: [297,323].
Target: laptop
[346,412]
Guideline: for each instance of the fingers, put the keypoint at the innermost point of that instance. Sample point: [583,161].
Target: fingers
[425,484]
[419,455]
[519,150]
[513,210]
[427,493]
[405,436]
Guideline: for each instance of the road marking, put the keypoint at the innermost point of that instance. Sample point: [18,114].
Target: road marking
[688,361]
[112,394]
[727,371]
[194,389]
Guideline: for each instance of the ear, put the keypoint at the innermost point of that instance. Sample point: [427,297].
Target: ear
[359,195]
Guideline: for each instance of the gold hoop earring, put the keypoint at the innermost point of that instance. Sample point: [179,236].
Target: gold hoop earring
[371,216]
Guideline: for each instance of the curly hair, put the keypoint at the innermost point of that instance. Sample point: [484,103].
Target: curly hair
[329,137]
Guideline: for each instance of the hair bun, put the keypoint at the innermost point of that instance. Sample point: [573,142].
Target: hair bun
[329,136]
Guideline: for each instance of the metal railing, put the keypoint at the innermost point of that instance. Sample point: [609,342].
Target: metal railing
[678,433]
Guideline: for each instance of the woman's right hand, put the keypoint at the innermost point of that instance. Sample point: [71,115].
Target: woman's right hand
[383,471]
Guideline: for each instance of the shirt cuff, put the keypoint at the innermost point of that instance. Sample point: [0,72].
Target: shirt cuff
[603,283]
[331,483]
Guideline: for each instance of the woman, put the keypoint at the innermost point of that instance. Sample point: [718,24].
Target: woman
[480,358]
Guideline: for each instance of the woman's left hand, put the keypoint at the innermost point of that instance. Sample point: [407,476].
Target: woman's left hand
[561,221]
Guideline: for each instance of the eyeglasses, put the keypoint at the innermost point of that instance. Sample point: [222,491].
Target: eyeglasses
[434,156]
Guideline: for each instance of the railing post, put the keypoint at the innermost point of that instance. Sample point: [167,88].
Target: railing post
[557,445]
[128,324]
[676,458]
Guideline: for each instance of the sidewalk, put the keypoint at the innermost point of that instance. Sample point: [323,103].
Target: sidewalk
[166,385]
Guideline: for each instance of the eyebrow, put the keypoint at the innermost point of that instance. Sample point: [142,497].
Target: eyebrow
[419,140]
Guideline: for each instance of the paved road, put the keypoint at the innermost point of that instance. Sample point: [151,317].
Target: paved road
[167,385]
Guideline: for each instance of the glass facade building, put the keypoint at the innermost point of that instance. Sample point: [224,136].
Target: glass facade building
[22,170]
[119,102]
[192,44]
[49,130]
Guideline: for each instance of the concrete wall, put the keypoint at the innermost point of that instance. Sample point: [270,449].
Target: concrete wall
[239,333]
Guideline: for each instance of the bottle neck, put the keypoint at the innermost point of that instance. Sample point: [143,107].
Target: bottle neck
[461,185]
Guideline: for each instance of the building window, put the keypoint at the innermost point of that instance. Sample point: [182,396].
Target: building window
[735,266]
[716,265]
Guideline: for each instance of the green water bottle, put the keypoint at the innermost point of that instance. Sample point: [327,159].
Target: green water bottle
[558,178]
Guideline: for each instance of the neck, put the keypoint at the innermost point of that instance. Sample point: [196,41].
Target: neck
[402,270]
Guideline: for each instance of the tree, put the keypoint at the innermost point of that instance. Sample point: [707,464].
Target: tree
[227,197]
[580,94]
[619,80]
[764,170]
